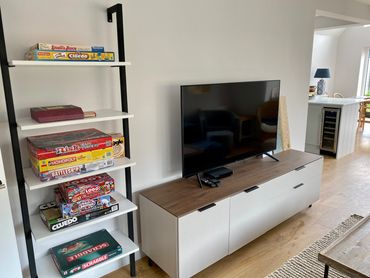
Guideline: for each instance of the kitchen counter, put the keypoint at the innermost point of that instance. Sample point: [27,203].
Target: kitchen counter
[337,102]
[342,131]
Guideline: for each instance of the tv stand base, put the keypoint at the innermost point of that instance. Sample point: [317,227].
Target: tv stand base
[271,156]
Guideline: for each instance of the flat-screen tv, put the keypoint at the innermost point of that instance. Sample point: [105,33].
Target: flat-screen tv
[226,122]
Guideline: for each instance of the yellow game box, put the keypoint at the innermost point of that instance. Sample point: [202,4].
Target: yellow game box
[52,55]
[65,161]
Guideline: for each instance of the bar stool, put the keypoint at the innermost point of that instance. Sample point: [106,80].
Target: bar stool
[362,114]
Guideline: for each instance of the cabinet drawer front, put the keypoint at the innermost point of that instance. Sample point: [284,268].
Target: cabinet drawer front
[255,212]
[309,170]
[252,214]
[203,237]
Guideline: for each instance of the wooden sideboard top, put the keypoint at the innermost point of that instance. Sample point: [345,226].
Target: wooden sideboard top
[183,196]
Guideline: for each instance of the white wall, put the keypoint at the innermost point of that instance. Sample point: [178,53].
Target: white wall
[170,42]
[324,55]
[351,45]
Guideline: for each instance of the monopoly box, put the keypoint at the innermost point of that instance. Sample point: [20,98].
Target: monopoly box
[87,188]
[73,170]
[83,206]
[66,47]
[60,162]
[51,216]
[82,253]
[66,143]
[53,55]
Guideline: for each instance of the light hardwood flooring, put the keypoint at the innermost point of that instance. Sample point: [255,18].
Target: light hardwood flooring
[345,191]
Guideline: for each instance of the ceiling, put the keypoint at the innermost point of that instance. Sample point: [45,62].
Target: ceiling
[364,1]
[323,22]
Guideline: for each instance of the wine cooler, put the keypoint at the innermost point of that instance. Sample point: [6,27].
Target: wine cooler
[329,130]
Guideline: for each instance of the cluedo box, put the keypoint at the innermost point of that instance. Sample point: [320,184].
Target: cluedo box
[87,188]
[52,217]
[82,253]
[53,55]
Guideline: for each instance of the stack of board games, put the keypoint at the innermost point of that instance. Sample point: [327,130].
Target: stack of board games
[79,201]
[82,253]
[65,52]
[69,153]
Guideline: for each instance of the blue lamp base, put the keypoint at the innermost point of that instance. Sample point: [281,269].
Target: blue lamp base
[321,87]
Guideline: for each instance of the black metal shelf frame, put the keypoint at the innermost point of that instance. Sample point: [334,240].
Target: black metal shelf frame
[118,10]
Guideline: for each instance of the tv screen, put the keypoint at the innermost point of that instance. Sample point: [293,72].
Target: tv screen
[223,123]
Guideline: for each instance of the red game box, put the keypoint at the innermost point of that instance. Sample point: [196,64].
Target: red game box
[87,188]
[48,114]
[82,207]
[70,142]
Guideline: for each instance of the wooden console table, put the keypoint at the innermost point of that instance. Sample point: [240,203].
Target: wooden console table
[350,254]
[185,228]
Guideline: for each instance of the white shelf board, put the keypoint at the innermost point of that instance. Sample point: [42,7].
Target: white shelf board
[41,233]
[47,269]
[33,182]
[101,116]
[25,63]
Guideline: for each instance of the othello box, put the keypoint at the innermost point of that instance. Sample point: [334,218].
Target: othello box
[87,188]
[80,254]
[51,216]
[65,143]
[53,55]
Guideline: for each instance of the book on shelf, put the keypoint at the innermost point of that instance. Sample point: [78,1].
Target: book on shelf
[46,114]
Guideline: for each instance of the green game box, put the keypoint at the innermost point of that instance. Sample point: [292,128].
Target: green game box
[85,252]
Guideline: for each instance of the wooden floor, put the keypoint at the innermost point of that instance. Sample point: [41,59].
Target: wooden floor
[345,191]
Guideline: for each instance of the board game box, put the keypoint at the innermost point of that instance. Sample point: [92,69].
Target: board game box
[73,170]
[66,47]
[87,188]
[53,55]
[48,114]
[52,217]
[82,253]
[81,207]
[65,143]
[64,161]
[118,142]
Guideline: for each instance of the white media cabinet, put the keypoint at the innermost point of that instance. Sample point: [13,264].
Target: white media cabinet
[185,229]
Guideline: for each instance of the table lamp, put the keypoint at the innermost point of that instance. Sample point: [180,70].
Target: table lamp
[321,73]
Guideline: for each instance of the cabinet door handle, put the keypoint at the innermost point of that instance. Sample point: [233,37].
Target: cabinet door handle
[298,185]
[300,168]
[207,207]
[251,189]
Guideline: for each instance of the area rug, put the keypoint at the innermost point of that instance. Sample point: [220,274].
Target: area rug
[306,264]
